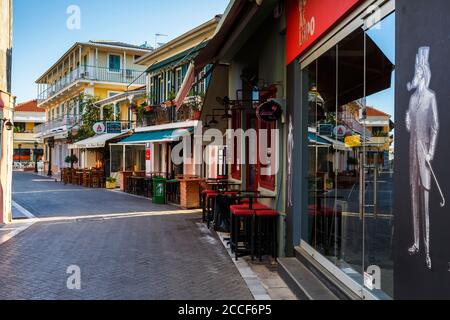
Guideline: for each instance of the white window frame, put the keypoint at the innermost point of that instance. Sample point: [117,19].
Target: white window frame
[178,80]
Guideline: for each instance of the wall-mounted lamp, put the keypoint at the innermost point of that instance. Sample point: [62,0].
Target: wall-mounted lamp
[8,124]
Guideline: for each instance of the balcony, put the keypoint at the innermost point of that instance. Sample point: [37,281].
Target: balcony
[24,137]
[160,115]
[89,73]
[56,126]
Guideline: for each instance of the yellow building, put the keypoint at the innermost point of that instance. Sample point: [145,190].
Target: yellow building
[100,69]
[174,101]
[26,146]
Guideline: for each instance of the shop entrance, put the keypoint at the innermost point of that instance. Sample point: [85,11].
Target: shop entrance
[349,103]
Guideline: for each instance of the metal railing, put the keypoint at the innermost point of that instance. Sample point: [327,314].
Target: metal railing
[165,115]
[68,121]
[92,73]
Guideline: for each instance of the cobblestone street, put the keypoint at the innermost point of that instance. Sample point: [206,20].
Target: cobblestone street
[155,254]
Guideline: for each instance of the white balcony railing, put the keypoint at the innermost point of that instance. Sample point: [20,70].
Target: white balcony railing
[123,76]
[62,124]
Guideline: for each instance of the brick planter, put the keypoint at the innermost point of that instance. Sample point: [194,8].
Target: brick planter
[189,194]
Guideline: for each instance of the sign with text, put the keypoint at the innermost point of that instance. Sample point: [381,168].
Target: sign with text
[114,127]
[353,141]
[148,158]
[308,20]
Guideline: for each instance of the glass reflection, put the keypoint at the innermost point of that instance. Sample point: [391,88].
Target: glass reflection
[350,98]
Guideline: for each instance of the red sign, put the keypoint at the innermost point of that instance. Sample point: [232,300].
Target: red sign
[148,155]
[308,20]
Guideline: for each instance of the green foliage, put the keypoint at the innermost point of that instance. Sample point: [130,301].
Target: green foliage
[171,95]
[111,180]
[91,115]
[71,159]
[140,111]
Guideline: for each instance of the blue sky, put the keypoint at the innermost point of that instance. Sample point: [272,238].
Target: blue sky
[384,36]
[41,35]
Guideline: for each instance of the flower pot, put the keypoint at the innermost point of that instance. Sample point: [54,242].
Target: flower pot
[196,115]
[111,185]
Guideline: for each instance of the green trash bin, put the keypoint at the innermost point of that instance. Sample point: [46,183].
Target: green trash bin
[159,190]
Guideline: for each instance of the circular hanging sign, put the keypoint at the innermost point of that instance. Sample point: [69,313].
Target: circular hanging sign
[99,128]
[269,111]
[340,131]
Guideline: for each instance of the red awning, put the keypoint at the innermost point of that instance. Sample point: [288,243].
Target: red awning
[186,86]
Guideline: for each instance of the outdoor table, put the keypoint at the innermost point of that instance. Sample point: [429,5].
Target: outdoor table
[137,184]
[223,185]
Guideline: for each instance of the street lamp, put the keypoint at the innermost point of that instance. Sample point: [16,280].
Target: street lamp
[35,158]
[51,144]
[20,153]
[8,124]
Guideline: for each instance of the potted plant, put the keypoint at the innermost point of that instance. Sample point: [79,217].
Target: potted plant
[111,183]
[196,105]
[71,160]
[170,99]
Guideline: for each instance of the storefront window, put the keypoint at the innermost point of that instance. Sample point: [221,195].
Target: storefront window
[116,158]
[135,158]
[349,100]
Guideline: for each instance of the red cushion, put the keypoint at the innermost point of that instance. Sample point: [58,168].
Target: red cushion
[255,206]
[238,207]
[211,195]
[208,191]
[267,213]
[231,193]
[243,212]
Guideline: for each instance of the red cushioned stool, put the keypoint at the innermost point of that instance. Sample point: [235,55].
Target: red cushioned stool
[266,232]
[242,231]
[204,203]
[210,207]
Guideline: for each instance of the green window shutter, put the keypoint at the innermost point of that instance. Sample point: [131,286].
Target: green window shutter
[184,68]
[114,63]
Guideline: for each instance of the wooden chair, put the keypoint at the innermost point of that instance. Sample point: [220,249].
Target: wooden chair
[98,180]
[75,179]
[87,179]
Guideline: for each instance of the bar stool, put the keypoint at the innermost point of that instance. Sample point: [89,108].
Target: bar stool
[266,232]
[242,230]
[204,202]
[210,206]
[255,206]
